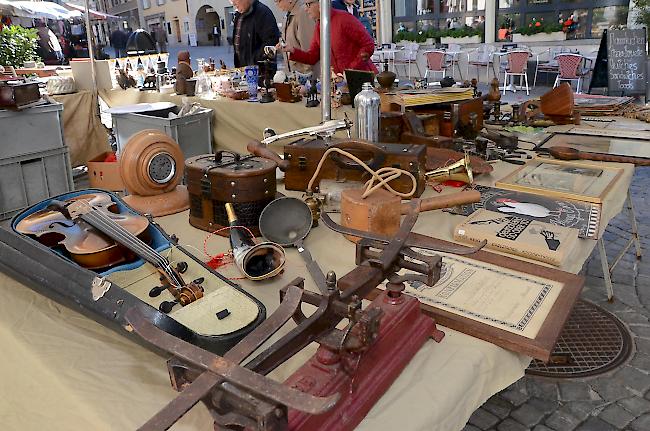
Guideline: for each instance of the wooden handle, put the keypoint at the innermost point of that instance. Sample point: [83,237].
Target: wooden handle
[438,202]
[261,150]
[567,153]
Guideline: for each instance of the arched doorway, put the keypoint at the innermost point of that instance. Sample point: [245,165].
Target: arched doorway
[206,18]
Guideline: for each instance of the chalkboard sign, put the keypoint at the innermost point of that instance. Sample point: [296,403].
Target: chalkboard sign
[626,61]
[599,74]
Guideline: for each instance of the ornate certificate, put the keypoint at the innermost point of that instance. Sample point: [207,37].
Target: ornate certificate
[510,300]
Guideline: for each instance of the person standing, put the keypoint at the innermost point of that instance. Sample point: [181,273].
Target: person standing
[118,42]
[351,45]
[216,35]
[161,38]
[254,27]
[297,32]
[349,6]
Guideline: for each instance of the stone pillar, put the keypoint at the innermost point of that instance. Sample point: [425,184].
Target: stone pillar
[490,20]
[385,29]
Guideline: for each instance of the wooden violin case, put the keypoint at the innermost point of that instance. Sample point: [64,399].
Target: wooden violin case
[248,182]
[105,295]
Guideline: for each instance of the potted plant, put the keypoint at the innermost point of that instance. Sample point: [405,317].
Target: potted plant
[538,30]
[18,45]
[465,34]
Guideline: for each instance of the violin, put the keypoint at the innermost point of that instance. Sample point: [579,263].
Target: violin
[96,236]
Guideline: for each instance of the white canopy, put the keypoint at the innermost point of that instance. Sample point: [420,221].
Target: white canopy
[42,9]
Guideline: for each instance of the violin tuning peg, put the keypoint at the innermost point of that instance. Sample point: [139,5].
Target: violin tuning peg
[199,280]
[181,267]
[156,291]
[166,306]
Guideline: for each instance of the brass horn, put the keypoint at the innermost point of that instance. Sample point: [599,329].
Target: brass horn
[255,261]
[459,171]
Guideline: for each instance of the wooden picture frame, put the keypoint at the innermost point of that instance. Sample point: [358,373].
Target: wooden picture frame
[539,347]
[588,182]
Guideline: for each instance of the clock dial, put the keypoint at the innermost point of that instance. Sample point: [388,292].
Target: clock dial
[162,168]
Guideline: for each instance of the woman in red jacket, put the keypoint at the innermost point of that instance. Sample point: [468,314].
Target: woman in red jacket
[351,44]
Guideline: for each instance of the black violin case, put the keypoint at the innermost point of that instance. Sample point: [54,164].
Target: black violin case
[55,276]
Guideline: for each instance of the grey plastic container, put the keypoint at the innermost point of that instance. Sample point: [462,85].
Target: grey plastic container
[31,130]
[29,178]
[192,132]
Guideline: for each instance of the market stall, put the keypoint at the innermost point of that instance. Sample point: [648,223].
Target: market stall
[95,373]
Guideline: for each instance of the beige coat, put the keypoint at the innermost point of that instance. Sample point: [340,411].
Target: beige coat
[297,32]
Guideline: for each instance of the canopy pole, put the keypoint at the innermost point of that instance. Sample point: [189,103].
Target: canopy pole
[89,35]
[325,60]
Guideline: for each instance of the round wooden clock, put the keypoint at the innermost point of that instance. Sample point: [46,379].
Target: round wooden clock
[151,166]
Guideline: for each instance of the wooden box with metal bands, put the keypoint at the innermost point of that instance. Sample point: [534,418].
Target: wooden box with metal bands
[247,182]
[303,157]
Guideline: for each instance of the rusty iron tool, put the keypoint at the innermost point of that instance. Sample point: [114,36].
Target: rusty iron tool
[413,239]
[225,369]
[326,317]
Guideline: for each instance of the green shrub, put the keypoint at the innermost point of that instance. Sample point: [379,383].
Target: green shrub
[18,45]
[536,27]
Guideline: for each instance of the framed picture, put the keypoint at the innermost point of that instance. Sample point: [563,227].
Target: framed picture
[517,305]
[588,182]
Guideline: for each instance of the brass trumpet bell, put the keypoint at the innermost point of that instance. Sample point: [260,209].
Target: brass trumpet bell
[459,171]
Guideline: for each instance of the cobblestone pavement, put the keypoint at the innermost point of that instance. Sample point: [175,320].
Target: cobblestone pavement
[618,400]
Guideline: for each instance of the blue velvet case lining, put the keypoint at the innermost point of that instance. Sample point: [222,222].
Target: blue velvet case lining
[158,240]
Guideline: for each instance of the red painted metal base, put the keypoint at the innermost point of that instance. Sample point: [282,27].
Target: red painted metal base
[362,380]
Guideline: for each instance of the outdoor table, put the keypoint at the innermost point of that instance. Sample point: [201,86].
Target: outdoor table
[235,122]
[387,54]
[72,373]
[41,72]
[84,134]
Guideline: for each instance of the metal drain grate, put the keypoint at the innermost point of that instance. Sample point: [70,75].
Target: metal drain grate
[592,342]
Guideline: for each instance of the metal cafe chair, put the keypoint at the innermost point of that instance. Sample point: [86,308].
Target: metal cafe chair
[517,65]
[569,69]
[437,62]
[546,62]
[407,57]
[481,57]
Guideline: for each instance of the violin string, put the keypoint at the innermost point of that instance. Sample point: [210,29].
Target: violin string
[139,247]
[117,234]
[132,242]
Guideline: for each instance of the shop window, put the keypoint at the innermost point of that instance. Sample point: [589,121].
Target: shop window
[450,6]
[506,24]
[604,17]
[507,4]
[425,7]
[475,5]
[426,24]
[399,7]
[574,23]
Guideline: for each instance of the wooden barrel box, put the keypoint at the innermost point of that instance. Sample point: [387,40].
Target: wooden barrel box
[248,182]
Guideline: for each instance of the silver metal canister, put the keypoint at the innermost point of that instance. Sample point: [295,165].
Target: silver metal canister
[367,106]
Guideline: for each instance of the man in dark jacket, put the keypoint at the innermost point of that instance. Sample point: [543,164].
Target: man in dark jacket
[254,27]
[349,6]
